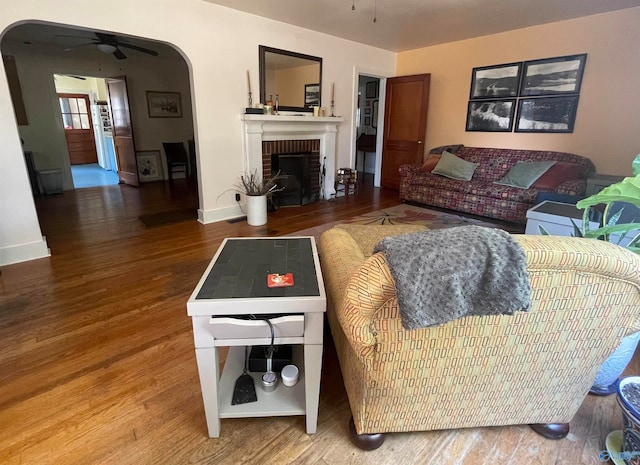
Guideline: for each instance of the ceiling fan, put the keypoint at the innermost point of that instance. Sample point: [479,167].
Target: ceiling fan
[110,43]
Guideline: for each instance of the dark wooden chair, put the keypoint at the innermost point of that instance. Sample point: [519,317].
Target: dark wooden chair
[177,158]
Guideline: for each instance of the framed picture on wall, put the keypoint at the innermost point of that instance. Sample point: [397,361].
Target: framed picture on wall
[553,76]
[367,121]
[311,95]
[549,114]
[491,115]
[493,82]
[149,165]
[374,116]
[367,111]
[164,104]
[372,89]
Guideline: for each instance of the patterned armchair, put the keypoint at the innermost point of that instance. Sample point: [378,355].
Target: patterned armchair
[529,368]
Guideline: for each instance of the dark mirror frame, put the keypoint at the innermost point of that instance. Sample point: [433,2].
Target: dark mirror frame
[263,50]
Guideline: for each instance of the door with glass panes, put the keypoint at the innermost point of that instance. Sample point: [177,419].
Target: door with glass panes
[78,128]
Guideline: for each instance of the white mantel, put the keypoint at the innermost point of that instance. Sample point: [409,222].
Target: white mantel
[258,128]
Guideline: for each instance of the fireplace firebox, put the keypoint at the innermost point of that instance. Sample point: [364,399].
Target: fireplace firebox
[295,169]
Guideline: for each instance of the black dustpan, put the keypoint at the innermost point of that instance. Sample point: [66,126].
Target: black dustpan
[244,390]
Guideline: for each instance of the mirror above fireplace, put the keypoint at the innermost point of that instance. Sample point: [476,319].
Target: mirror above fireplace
[295,78]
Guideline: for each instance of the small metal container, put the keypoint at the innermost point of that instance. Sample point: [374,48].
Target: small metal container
[269,381]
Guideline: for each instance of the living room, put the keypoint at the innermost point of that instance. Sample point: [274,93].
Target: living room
[218,57]
[126,390]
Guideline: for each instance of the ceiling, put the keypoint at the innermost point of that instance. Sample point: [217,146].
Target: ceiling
[81,41]
[409,24]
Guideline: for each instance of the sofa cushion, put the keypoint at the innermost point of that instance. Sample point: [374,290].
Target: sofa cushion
[454,167]
[524,173]
[430,163]
[556,175]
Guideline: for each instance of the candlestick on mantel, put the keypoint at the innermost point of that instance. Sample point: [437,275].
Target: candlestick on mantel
[333,94]
[249,88]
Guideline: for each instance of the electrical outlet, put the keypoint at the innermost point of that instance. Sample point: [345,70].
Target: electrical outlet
[237,197]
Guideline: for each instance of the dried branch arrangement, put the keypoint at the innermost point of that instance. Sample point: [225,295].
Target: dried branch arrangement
[254,184]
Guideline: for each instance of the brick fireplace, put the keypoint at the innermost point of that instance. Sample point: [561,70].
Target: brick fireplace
[299,162]
[298,136]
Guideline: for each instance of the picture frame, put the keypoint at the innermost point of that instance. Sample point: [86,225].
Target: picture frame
[497,81]
[367,111]
[311,95]
[371,89]
[553,76]
[490,115]
[367,120]
[374,115]
[164,104]
[367,103]
[547,114]
[149,165]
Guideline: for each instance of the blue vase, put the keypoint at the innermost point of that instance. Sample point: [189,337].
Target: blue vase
[612,368]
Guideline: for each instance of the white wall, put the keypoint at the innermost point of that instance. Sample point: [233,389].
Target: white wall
[220,45]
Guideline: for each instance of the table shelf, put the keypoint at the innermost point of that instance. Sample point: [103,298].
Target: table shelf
[283,401]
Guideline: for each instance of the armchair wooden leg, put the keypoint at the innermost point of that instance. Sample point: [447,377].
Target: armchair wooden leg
[552,430]
[365,441]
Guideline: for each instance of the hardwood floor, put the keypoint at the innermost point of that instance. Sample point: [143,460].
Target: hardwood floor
[97,363]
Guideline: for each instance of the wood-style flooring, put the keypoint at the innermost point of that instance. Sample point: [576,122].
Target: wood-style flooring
[97,363]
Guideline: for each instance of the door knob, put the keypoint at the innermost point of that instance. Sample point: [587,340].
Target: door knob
[419,142]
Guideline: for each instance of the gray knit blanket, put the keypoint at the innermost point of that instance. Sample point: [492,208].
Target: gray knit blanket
[441,275]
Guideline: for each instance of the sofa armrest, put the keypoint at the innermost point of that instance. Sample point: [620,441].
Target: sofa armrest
[572,187]
[408,169]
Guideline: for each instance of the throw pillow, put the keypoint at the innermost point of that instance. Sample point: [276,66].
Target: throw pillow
[524,173]
[455,167]
[556,175]
[430,163]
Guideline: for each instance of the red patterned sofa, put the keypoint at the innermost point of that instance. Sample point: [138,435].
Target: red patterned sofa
[481,196]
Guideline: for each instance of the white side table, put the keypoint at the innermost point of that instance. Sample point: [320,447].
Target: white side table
[555,218]
[235,284]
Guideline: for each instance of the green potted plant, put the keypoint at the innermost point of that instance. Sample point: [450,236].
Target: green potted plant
[628,191]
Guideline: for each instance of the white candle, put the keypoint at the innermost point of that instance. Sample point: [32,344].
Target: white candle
[248,81]
[333,91]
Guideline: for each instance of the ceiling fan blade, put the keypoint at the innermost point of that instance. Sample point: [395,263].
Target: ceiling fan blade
[75,37]
[106,38]
[71,47]
[119,55]
[139,49]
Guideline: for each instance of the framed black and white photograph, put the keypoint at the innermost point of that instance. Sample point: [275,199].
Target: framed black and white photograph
[548,114]
[553,76]
[372,89]
[491,115]
[493,82]
[164,104]
[149,165]
[311,95]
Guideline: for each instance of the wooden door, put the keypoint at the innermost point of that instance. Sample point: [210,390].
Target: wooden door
[122,131]
[78,128]
[405,125]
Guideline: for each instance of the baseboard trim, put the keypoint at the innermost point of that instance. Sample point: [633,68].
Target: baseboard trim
[24,252]
[213,216]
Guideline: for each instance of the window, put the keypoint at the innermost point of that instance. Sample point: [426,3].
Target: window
[75,112]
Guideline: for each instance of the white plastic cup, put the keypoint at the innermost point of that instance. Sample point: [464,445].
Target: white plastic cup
[316,111]
[289,375]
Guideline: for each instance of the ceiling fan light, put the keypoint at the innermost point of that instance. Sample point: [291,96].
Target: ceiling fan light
[107,48]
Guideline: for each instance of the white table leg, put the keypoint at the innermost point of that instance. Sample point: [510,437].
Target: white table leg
[208,369]
[312,371]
